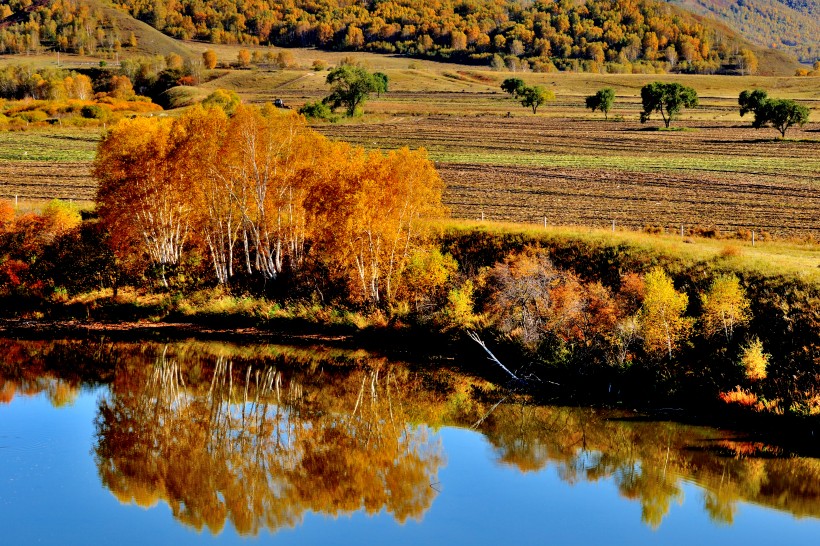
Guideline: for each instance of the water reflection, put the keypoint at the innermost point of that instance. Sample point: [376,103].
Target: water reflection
[259,449]
[258,436]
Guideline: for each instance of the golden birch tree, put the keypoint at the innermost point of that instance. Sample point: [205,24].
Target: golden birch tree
[662,320]
[725,306]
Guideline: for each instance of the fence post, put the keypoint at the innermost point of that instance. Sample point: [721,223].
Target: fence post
[613,226]
[681,231]
[545,222]
[753,237]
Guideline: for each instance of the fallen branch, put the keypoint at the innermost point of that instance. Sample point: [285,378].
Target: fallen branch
[493,358]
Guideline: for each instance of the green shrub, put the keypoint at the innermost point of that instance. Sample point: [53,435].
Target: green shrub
[95,111]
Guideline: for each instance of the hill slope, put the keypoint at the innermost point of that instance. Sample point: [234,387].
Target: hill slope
[616,35]
[786,25]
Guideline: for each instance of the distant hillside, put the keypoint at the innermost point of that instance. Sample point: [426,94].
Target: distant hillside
[786,25]
[88,27]
[622,36]
[542,35]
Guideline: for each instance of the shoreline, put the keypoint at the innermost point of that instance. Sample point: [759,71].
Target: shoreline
[792,433]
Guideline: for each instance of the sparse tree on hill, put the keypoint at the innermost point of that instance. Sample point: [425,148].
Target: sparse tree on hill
[667,99]
[602,100]
[350,86]
[209,59]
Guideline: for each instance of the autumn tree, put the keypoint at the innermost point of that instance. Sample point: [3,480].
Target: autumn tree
[350,87]
[209,59]
[662,320]
[244,57]
[725,306]
[535,96]
[7,214]
[754,360]
[225,99]
[366,209]
[601,100]
[142,193]
[667,99]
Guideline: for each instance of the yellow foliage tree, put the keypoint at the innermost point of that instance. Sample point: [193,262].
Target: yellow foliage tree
[209,59]
[366,209]
[143,193]
[725,306]
[754,360]
[661,318]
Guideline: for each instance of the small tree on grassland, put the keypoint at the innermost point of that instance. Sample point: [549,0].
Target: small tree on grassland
[778,113]
[513,86]
[602,100]
[535,96]
[350,86]
[209,59]
[667,99]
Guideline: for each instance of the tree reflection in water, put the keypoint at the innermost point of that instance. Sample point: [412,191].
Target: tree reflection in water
[259,451]
[259,435]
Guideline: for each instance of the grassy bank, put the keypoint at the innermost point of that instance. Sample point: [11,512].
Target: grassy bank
[781,281]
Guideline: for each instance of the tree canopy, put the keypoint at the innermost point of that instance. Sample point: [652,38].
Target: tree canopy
[667,99]
[259,195]
[602,100]
[350,87]
[778,113]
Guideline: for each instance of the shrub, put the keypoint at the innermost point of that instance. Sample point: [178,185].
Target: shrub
[317,110]
[95,111]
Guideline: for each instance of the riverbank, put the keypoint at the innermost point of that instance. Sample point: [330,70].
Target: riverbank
[581,288]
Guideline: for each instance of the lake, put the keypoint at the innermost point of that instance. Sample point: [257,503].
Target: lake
[196,442]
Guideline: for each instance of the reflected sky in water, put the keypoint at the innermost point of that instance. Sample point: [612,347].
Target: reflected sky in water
[522,477]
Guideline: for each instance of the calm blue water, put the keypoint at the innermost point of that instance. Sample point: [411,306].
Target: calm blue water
[51,493]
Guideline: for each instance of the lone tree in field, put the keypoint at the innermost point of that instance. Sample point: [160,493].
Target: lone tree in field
[779,113]
[534,96]
[350,86]
[602,100]
[667,99]
[531,96]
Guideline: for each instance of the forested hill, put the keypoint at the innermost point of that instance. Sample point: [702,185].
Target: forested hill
[624,35]
[788,25]
[543,35]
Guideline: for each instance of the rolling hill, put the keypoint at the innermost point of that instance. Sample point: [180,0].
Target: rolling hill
[786,25]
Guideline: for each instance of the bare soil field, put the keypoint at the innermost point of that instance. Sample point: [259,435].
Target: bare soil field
[724,175]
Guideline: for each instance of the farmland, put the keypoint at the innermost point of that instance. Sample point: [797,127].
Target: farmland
[39,165]
[499,162]
[591,172]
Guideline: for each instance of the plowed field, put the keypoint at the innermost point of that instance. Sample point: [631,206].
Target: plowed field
[714,174]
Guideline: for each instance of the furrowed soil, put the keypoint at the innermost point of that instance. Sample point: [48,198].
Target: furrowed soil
[724,175]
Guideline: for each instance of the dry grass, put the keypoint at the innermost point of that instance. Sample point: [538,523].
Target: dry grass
[769,259]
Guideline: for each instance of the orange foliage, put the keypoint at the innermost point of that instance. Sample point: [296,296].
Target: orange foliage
[6,215]
[251,190]
[739,396]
